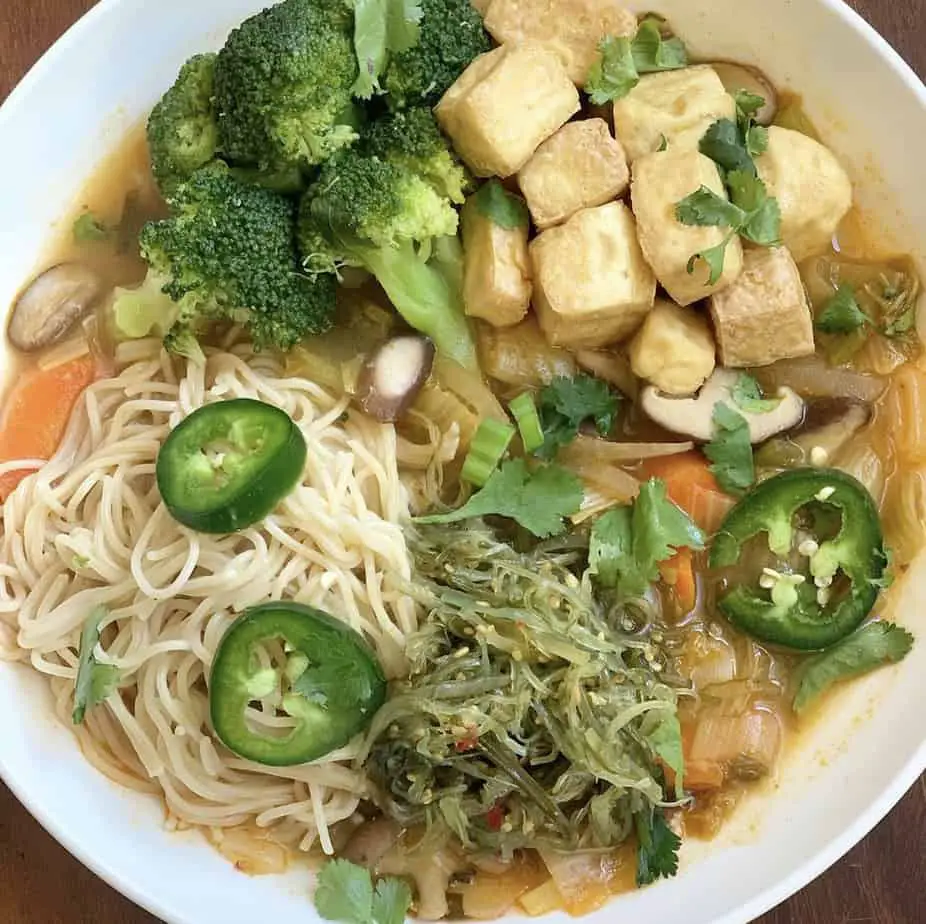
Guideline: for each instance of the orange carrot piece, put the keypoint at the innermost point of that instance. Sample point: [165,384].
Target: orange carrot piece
[691,485]
[678,573]
[36,413]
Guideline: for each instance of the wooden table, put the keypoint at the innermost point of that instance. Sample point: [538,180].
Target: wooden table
[880,882]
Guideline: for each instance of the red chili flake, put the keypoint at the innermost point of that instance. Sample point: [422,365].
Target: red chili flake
[466,744]
[495,817]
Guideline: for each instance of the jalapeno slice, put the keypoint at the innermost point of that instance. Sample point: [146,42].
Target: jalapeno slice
[331,686]
[823,528]
[229,464]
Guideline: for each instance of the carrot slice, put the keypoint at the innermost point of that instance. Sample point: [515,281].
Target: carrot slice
[678,573]
[36,414]
[691,485]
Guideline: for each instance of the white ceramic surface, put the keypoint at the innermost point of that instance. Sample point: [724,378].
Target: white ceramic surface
[846,774]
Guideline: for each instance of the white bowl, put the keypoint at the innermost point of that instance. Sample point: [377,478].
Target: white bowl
[844,775]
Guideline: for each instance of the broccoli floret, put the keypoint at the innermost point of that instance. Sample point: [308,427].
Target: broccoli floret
[412,139]
[228,253]
[183,134]
[451,36]
[283,86]
[368,212]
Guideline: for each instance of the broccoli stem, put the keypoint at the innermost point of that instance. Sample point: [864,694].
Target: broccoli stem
[425,294]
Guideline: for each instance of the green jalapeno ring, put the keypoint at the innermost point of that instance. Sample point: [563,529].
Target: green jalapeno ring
[228,464]
[322,725]
[857,551]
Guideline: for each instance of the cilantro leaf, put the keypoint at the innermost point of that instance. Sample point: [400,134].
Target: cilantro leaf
[566,403]
[747,104]
[713,257]
[873,646]
[334,683]
[391,901]
[621,61]
[725,144]
[501,207]
[614,73]
[628,543]
[665,740]
[747,396]
[762,224]
[95,681]
[344,892]
[538,500]
[381,28]
[88,228]
[756,140]
[731,450]
[704,208]
[842,313]
[652,52]
[657,854]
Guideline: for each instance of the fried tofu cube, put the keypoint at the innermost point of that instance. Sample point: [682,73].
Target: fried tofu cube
[673,108]
[660,182]
[496,268]
[580,167]
[813,190]
[592,286]
[764,316]
[674,349]
[504,105]
[572,28]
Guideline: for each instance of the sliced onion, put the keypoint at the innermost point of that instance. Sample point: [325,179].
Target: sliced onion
[907,409]
[470,387]
[587,881]
[520,356]
[905,516]
[860,459]
[589,450]
[812,376]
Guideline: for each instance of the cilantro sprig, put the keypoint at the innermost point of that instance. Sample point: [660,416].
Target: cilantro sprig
[875,645]
[95,681]
[842,314]
[747,396]
[538,500]
[628,543]
[621,61]
[657,854]
[750,212]
[730,450]
[345,893]
[567,403]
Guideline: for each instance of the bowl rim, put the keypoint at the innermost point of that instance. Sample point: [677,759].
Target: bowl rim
[762,902]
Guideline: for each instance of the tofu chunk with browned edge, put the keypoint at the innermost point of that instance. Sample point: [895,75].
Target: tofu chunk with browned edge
[572,28]
[580,167]
[660,182]
[674,349]
[496,268]
[592,286]
[504,105]
[673,108]
[764,316]
[813,190]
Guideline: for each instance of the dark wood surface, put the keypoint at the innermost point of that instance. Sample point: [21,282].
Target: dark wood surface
[882,881]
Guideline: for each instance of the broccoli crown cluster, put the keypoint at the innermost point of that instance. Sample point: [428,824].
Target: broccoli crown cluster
[452,35]
[183,134]
[283,85]
[227,253]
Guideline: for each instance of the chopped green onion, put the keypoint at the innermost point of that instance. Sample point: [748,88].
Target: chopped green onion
[487,449]
[525,413]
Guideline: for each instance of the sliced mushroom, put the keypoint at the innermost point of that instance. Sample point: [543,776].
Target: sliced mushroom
[393,375]
[372,841]
[432,872]
[694,417]
[736,77]
[52,304]
[826,429]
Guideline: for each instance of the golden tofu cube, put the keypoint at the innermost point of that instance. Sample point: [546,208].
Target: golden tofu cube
[813,190]
[674,349]
[673,108]
[592,286]
[496,268]
[764,316]
[572,28]
[580,167]
[504,105]
[660,182]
